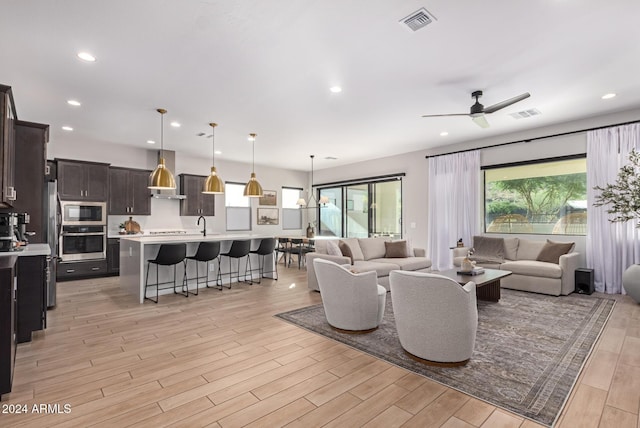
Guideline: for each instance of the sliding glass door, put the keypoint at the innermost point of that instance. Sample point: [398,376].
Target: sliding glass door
[361,210]
[331,214]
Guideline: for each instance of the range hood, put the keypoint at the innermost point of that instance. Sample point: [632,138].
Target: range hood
[170,162]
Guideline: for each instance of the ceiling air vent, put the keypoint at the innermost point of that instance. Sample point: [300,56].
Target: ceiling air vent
[331,158]
[418,19]
[525,113]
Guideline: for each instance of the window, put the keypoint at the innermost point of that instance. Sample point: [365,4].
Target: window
[291,212]
[363,209]
[545,197]
[238,207]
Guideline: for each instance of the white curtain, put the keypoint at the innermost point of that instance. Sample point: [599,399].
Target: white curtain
[454,212]
[611,247]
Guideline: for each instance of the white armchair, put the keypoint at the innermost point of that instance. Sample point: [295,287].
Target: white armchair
[352,302]
[436,317]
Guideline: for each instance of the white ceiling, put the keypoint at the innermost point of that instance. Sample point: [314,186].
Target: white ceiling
[266,67]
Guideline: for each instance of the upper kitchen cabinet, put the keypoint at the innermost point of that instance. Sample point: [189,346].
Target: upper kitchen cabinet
[196,202]
[83,181]
[7,147]
[128,192]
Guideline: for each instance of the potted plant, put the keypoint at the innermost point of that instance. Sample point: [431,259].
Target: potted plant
[122,229]
[623,201]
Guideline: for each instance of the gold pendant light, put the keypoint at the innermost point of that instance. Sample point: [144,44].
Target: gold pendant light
[161,177]
[253,189]
[213,184]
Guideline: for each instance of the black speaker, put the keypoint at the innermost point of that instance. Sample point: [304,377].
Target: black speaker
[584,281]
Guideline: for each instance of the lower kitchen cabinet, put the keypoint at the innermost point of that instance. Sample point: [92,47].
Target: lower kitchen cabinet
[32,296]
[113,256]
[8,324]
[86,269]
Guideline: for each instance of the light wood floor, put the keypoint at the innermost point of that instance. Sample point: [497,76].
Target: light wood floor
[222,360]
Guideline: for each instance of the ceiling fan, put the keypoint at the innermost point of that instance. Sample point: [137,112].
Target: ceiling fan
[478,111]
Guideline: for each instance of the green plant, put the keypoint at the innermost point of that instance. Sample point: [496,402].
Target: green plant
[121,225]
[623,197]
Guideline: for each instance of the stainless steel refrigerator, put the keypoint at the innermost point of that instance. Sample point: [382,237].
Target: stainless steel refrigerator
[53,233]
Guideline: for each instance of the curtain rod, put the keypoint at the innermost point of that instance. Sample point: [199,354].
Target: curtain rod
[528,140]
[360,180]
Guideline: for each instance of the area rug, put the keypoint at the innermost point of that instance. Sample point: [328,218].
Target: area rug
[529,349]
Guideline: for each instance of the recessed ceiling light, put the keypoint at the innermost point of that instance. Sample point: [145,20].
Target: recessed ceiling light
[73,103]
[218,152]
[608,96]
[335,89]
[444,133]
[175,124]
[86,56]
[67,128]
[150,142]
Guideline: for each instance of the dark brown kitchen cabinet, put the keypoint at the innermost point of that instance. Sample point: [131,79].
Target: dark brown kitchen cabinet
[8,322]
[30,166]
[196,202]
[76,270]
[32,296]
[113,256]
[83,181]
[128,191]
[8,192]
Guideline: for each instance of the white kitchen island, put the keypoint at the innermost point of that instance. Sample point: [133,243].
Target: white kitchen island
[135,250]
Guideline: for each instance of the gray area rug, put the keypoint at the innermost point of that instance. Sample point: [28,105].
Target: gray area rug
[529,349]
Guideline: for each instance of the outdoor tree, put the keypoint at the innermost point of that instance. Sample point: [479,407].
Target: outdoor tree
[545,197]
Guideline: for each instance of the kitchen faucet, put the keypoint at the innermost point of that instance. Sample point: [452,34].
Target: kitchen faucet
[204,231]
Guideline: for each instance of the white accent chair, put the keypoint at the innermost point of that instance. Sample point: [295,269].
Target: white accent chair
[353,302]
[436,317]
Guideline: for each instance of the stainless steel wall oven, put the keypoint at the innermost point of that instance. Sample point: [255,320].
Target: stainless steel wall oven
[83,243]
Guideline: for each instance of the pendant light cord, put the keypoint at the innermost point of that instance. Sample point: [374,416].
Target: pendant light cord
[162,135]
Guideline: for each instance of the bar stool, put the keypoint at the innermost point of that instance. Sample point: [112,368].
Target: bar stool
[168,255]
[238,250]
[206,252]
[267,246]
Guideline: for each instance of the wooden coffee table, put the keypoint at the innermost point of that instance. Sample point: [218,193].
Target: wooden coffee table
[487,283]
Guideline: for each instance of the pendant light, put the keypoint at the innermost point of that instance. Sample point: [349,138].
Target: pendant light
[213,184]
[161,177]
[312,199]
[253,189]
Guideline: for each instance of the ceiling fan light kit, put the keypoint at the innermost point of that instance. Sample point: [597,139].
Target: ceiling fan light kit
[477,111]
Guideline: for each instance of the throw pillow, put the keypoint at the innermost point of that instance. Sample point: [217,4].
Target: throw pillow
[396,249]
[346,251]
[333,249]
[552,251]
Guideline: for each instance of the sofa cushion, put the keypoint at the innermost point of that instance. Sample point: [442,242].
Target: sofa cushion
[552,251]
[372,248]
[488,249]
[381,269]
[354,247]
[332,248]
[528,249]
[396,249]
[408,263]
[533,268]
[511,248]
[346,251]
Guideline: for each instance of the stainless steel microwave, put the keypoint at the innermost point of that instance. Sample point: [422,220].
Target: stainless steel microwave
[83,213]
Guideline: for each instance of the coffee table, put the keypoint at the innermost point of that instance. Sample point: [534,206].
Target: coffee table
[487,283]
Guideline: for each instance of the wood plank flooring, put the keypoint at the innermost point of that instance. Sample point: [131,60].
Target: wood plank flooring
[221,359]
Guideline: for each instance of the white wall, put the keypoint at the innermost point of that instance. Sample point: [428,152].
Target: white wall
[166,213]
[416,167]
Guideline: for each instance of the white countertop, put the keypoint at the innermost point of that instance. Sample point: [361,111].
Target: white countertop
[147,239]
[29,250]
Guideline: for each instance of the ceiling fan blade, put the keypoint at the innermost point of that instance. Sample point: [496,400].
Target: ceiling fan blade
[442,115]
[480,120]
[506,103]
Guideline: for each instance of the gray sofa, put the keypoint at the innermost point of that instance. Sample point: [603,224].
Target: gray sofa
[368,255]
[528,274]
